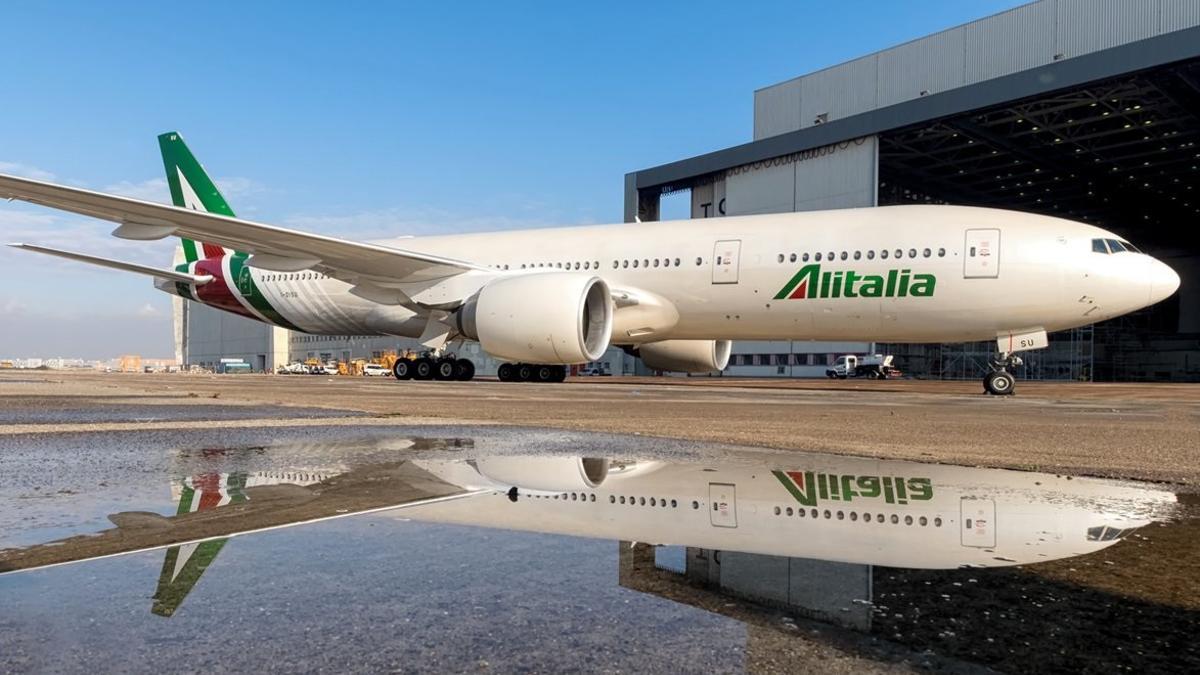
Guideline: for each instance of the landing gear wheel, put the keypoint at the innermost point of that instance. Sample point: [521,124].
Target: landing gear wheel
[999,383]
[506,372]
[403,369]
[423,369]
[544,373]
[524,372]
[464,370]
[560,374]
[444,369]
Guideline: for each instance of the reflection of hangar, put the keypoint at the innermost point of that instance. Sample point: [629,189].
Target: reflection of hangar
[1088,109]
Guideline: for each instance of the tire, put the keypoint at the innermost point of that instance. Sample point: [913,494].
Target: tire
[423,369]
[544,373]
[403,369]
[464,370]
[506,372]
[560,374]
[999,383]
[444,369]
[524,373]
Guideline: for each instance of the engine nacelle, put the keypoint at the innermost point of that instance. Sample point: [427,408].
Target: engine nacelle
[551,318]
[686,356]
[545,474]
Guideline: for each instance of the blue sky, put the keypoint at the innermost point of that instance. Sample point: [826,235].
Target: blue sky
[375,119]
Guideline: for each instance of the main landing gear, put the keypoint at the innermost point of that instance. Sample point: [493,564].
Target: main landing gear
[431,367]
[1000,382]
[525,372]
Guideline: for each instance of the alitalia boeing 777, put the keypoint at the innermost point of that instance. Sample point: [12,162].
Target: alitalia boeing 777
[674,293]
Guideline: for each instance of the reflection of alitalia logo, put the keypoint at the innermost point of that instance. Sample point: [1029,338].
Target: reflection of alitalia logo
[811,282]
[809,487]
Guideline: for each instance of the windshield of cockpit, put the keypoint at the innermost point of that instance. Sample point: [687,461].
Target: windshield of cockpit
[1110,246]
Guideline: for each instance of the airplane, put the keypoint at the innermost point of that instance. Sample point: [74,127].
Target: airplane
[673,293]
[822,507]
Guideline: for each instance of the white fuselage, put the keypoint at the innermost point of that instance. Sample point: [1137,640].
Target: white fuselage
[912,274]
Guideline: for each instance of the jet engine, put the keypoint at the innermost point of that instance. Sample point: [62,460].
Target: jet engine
[551,318]
[686,356]
[545,474]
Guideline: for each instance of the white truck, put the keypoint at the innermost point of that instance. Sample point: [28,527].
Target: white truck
[875,366]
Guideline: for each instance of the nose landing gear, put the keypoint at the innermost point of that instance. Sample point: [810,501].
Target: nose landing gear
[1000,382]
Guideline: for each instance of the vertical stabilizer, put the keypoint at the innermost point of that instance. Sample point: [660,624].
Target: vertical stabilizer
[191,188]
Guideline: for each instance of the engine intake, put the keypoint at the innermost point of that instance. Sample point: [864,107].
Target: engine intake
[552,318]
[686,356]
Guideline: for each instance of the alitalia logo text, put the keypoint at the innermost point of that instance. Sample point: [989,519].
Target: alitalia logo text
[810,282]
[810,487]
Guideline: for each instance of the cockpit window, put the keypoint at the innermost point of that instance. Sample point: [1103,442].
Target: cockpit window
[1103,533]
[1113,246]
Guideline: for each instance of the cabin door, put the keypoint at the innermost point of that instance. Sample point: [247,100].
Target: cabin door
[723,500]
[981,257]
[727,254]
[977,518]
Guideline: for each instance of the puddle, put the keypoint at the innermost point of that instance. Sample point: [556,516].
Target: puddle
[480,548]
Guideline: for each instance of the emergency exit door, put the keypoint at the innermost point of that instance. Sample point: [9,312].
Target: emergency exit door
[726,256]
[977,522]
[722,498]
[981,259]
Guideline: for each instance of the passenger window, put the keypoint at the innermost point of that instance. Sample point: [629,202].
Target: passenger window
[1097,246]
[818,256]
[941,253]
[912,252]
[699,260]
[656,261]
[926,253]
[645,263]
[899,254]
[883,255]
[870,255]
[677,263]
[844,255]
[625,263]
[831,255]
[858,255]
[804,257]
[781,257]
[635,263]
[616,264]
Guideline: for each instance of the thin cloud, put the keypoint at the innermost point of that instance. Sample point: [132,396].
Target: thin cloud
[18,169]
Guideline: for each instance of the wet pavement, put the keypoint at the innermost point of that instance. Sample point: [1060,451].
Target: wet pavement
[452,549]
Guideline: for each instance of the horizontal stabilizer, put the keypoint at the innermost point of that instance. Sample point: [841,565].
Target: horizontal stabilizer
[170,275]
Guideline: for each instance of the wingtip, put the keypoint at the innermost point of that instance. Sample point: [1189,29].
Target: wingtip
[16,244]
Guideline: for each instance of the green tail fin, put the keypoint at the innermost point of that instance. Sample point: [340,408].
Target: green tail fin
[191,188]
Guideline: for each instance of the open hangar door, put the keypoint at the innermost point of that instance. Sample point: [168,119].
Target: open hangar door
[1123,154]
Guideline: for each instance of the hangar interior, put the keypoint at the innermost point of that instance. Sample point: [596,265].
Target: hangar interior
[1085,109]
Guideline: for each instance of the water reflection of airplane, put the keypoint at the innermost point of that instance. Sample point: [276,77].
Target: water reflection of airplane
[845,509]
[829,508]
[184,564]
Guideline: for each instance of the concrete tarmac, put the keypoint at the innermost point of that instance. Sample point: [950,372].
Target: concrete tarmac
[1134,431]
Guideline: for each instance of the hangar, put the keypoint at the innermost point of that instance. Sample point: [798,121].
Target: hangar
[1085,109]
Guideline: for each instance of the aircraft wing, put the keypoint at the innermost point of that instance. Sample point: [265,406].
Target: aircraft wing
[157,273]
[273,248]
[372,489]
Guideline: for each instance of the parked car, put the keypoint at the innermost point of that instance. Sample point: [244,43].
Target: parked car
[375,370]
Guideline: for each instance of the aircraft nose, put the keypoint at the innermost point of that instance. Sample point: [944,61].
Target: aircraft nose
[1164,281]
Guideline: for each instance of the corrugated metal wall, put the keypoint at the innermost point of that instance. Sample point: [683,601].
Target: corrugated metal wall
[1025,37]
